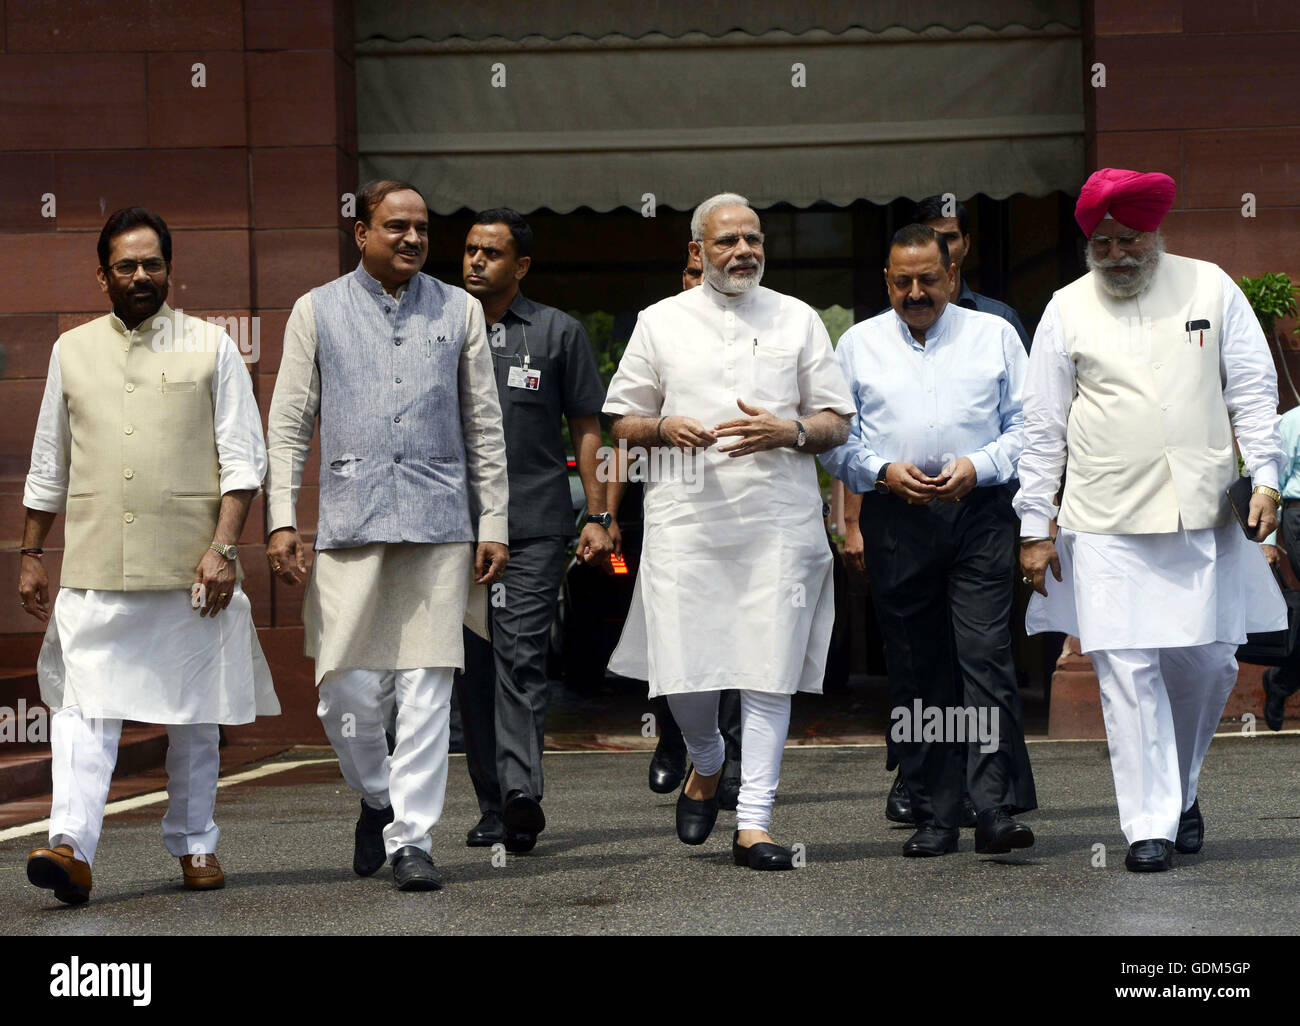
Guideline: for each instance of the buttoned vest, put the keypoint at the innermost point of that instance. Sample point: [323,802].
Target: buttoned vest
[144,484]
[392,452]
[1150,442]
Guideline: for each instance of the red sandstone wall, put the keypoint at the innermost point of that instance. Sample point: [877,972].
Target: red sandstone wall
[99,109]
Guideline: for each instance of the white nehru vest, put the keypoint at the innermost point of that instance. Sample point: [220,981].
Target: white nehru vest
[1150,442]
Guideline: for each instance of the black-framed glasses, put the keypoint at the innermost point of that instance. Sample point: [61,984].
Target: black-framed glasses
[1127,241]
[126,268]
[752,239]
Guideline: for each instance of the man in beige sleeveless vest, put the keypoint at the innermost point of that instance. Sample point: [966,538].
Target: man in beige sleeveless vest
[150,441]
[1142,373]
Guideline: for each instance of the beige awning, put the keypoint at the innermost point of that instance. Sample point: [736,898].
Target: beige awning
[610,122]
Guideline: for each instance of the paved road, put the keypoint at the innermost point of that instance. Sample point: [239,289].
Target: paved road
[610,863]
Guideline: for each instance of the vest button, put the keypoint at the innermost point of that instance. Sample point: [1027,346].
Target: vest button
[397,420]
[399,380]
[128,473]
[130,387]
[129,517]
[397,342]
[129,429]
[397,459]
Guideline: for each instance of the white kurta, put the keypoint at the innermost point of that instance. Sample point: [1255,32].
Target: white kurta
[148,655]
[386,606]
[1122,591]
[734,588]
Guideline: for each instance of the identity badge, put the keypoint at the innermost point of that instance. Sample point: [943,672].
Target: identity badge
[524,377]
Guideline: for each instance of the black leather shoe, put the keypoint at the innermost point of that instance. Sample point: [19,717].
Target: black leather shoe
[898,806]
[969,817]
[761,855]
[930,841]
[996,833]
[1276,692]
[413,870]
[729,785]
[1191,830]
[667,768]
[1151,856]
[487,832]
[695,818]
[368,848]
[522,814]
[519,843]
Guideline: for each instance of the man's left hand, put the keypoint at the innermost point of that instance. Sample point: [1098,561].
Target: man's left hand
[594,545]
[956,480]
[1273,554]
[490,559]
[1263,516]
[758,431]
[217,575]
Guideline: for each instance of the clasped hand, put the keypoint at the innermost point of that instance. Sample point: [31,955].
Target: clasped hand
[758,431]
[952,484]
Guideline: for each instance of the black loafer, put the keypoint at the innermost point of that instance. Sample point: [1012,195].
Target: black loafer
[729,786]
[898,806]
[523,814]
[695,818]
[413,870]
[930,841]
[760,856]
[1276,692]
[969,817]
[1150,856]
[487,832]
[519,843]
[667,768]
[368,847]
[996,833]
[1191,830]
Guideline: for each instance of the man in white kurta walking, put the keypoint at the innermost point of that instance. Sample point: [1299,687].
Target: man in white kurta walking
[150,441]
[734,589]
[395,364]
[1142,372]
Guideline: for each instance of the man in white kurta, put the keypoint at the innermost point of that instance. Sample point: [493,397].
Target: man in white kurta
[734,588]
[149,438]
[1142,372]
[395,366]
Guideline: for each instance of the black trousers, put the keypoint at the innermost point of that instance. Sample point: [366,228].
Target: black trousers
[941,581]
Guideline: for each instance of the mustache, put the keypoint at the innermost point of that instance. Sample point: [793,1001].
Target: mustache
[910,303]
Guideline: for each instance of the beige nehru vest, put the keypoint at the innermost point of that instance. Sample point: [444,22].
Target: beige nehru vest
[1150,443]
[144,484]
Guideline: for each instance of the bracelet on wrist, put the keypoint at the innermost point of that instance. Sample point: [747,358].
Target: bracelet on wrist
[659,429]
[1033,541]
[33,551]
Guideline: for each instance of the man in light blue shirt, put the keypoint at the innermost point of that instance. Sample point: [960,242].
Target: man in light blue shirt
[936,437]
[1281,682]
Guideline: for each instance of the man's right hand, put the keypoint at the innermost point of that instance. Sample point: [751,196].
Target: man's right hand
[284,553]
[907,482]
[854,549]
[1034,561]
[34,587]
[686,433]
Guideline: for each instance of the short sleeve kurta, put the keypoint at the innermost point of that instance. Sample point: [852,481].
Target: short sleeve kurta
[734,588]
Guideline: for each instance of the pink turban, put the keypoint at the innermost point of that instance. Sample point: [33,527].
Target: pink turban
[1134,199]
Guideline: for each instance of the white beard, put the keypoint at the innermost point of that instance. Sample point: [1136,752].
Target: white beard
[1134,283]
[724,282]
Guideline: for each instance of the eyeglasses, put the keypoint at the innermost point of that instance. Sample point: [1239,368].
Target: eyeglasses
[724,242]
[126,268]
[1101,242]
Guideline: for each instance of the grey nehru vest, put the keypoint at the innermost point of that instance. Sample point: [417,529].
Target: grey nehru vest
[392,453]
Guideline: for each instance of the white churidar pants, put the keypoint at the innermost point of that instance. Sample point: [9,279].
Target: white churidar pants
[83,753]
[1161,707]
[764,723]
[355,708]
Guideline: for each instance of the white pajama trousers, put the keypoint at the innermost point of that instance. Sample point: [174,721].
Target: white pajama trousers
[764,723]
[1161,707]
[83,753]
[355,708]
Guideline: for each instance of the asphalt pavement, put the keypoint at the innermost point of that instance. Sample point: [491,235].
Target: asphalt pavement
[609,861]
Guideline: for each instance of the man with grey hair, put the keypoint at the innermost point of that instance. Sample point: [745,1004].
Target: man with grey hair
[1142,372]
[735,587]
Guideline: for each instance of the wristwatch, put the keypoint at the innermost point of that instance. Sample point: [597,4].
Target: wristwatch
[604,519]
[882,486]
[229,551]
[1272,493]
[802,436]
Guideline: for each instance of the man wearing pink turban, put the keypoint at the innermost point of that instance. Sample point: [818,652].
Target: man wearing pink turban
[1141,374]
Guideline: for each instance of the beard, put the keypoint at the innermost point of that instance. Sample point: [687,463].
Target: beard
[1128,276]
[722,280]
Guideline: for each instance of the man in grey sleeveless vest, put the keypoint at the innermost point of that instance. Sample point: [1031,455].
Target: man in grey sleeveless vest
[395,365]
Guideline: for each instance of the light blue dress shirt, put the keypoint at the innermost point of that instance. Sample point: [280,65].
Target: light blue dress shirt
[957,395]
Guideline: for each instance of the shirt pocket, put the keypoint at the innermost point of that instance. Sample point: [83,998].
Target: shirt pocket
[776,374]
[178,387]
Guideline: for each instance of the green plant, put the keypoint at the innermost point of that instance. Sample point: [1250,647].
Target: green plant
[1272,297]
